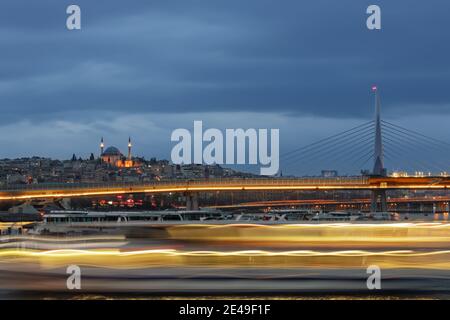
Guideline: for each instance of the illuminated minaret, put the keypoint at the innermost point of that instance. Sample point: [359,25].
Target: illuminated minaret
[129,148]
[102,146]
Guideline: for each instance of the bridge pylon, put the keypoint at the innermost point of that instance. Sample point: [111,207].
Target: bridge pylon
[191,201]
[378,202]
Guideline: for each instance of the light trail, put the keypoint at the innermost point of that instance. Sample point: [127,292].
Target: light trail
[360,183]
[324,252]
[206,253]
[425,234]
[354,201]
[39,238]
[116,259]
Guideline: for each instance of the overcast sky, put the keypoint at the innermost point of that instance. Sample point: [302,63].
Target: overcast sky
[145,68]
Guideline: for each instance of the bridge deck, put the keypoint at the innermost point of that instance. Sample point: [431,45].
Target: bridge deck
[38,191]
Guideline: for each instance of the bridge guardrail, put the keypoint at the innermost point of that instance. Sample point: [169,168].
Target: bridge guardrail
[189,182]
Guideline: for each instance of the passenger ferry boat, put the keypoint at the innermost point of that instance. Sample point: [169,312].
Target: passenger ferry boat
[356,216]
[280,216]
[64,216]
[86,222]
[383,216]
[72,221]
[338,216]
[73,216]
[293,214]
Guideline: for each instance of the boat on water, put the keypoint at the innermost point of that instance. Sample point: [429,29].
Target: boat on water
[17,223]
[65,216]
[86,222]
[292,214]
[384,216]
[355,216]
[278,215]
[338,216]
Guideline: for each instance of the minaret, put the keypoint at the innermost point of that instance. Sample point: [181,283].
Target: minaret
[102,146]
[129,148]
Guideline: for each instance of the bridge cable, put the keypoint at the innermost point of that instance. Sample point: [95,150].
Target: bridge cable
[408,150]
[328,149]
[330,154]
[416,133]
[330,139]
[403,140]
[409,160]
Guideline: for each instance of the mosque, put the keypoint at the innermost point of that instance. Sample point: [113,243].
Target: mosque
[115,158]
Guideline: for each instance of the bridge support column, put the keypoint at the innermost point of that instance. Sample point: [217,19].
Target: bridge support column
[65,203]
[191,201]
[378,202]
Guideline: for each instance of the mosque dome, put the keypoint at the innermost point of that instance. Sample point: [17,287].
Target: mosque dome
[112,151]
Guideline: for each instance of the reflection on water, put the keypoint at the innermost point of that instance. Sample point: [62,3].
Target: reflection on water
[226,297]
[440,217]
[299,261]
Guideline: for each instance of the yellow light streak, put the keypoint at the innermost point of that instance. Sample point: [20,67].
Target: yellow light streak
[33,194]
[329,234]
[116,259]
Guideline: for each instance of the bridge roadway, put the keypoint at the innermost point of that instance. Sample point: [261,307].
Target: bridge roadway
[341,202]
[63,190]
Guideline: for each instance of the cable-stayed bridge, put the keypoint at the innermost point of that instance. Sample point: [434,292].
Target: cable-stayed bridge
[403,150]
[370,143]
[373,145]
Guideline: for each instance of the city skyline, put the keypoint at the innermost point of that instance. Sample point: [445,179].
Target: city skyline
[133,72]
[245,152]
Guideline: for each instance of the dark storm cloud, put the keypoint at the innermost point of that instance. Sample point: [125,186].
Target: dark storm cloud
[292,57]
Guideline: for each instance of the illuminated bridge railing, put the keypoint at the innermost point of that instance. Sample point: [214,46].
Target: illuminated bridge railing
[340,181]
